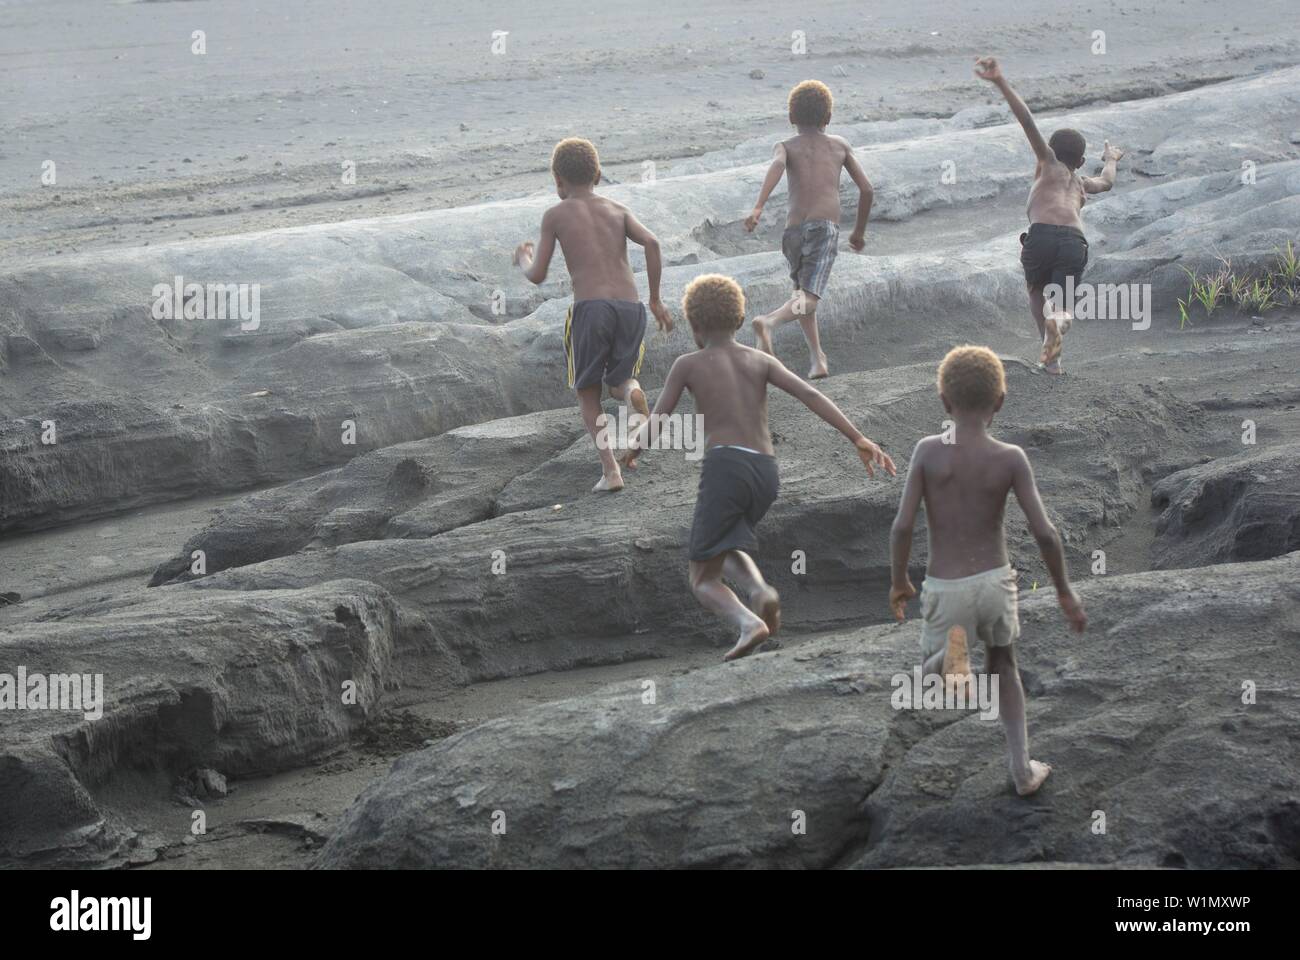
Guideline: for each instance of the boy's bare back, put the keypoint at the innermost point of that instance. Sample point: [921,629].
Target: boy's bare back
[592,232]
[1057,195]
[965,486]
[813,161]
[729,384]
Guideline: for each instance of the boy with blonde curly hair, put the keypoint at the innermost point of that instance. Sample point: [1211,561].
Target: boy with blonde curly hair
[813,161]
[604,331]
[738,481]
[970,589]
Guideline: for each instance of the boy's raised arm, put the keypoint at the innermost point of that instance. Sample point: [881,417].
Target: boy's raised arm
[1110,156]
[857,239]
[535,267]
[654,267]
[774,174]
[1049,541]
[900,535]
[868,451]
[988,68]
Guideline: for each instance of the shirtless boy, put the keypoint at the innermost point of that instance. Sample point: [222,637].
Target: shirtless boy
[813,161]
[605,329]
[1054,247]
[738,482]
[970,588]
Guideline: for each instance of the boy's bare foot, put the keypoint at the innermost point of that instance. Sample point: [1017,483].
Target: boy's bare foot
[1038,772]
[1051,342]
[1052,368]
[636,397]
[610,483]
[956,664]
[766,602]
[819,370]
[956,658]
[762,334]
[750,640]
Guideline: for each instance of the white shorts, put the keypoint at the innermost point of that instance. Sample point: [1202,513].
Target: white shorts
[985,604]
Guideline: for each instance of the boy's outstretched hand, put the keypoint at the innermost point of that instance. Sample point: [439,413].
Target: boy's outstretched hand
[988,68]
[898,597]
[872,456]
[751,221]
[1072,607]
[523,252]
[662,316]
[1111,153]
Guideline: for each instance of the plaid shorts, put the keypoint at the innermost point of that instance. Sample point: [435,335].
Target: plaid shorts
[810,247]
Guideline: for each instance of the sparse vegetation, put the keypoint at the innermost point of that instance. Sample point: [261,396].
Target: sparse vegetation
[1256,292]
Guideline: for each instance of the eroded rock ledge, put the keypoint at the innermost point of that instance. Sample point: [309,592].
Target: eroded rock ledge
[1143,718]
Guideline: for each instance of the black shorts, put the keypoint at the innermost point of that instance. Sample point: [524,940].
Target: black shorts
[604,340]
[736,489]
[1050,252]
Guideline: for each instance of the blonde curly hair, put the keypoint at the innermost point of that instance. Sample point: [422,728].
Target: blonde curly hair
[714,304]
[972,378]
[810,104]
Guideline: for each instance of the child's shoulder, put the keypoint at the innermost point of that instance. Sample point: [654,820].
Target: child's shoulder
[1051,167]
[712,357]
[1009,453]
[686,362]
[926,448]
[1008,448]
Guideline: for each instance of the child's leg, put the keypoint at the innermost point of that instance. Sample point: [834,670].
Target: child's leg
[1037,304]
[1048,332]
[808,320]
[716,596]
[1027,774]
[802,307]
[956,663]
[741,570]
[631,392]
[952,662]
[589,405]
[765,323]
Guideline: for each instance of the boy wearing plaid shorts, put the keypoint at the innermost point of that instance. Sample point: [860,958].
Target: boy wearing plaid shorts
[813,161]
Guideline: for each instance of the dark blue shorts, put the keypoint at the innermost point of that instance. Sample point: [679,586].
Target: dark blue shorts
[604,340]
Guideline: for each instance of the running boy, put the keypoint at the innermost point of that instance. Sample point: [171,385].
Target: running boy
[605,328]
[1054,247]
[813,161]
[738,482]
[970,588]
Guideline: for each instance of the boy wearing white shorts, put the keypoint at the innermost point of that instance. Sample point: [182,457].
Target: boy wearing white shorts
[970,589]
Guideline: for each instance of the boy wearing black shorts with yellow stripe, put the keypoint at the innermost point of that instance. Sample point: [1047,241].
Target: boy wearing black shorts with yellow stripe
[605,328]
